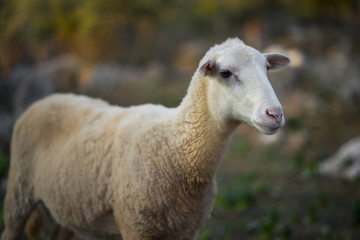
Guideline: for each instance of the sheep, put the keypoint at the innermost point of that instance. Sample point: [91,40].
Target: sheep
[143,172]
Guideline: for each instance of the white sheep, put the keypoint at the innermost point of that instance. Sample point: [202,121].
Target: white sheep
[147,172]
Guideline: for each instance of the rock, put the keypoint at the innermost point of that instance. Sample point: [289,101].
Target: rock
[6,125]
[108,75]
[27,84]
[58,75]
[337,71]
[345,162]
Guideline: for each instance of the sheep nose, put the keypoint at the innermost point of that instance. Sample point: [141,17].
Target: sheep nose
[276,114]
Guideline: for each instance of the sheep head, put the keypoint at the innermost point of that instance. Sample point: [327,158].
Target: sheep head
[239,89]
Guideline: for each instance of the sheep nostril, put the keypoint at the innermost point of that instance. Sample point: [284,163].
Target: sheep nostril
[276,114]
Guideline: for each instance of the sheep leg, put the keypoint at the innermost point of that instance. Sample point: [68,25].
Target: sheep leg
[18,206]
[129,235]
[61,233]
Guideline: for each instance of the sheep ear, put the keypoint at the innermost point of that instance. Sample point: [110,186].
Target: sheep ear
[276,60]
[207,67]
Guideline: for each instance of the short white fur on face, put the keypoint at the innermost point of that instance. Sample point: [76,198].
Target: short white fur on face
[240,83]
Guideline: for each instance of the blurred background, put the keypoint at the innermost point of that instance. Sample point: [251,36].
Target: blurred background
[301,183]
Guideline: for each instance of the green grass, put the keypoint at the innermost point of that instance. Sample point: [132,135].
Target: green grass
[239,193]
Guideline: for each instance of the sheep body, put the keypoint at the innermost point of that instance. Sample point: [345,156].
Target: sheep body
[75,161]
[147,172]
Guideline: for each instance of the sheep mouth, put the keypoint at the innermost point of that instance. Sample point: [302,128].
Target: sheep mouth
[267,129]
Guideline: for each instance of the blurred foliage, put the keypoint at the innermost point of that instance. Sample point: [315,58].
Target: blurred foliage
[356,210]
[89,27]
[270,193]
[4,164]
[240,199]
[315,9]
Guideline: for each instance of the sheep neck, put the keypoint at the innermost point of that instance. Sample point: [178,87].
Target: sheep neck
[204,138]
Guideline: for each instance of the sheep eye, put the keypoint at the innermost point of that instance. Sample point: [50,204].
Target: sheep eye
[225,73]
[267,67]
